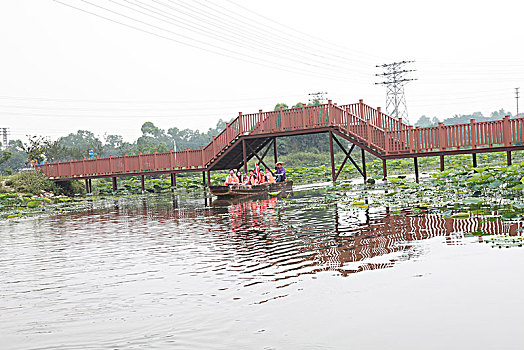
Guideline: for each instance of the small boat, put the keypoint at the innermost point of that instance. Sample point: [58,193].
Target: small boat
[248,190]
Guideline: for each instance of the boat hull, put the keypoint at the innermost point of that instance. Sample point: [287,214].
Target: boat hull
[248,190]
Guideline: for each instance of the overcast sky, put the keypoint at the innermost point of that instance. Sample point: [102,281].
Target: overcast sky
[187,63]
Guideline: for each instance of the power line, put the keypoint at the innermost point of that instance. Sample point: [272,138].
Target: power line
[394,79]
[304,36]
[217,49]
[249,33]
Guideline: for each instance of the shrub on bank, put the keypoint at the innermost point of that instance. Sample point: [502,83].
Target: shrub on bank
[36,183]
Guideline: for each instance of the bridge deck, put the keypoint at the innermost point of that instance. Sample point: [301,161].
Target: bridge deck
[362,125]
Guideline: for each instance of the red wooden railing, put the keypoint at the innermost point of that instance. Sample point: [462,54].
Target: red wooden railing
[381,133]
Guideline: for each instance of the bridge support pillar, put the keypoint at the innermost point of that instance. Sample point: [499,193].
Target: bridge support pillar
[244,158]
[384,170]
[115,186]
[143,183]
[415,162]
[209,177]
[364,172]
[508,157]
[204,178]
[474,160]
[173,182]
[87,185]
[332,155]
[442,163]
[90,185]
[275,154]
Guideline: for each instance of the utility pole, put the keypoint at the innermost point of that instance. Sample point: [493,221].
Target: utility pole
[517,98]
[4,138]
[320,96]
[394,76]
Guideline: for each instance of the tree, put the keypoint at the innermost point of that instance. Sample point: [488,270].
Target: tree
[501,113]
[34,148]
[4,157]
[278,105]
[77,145]
[423,121]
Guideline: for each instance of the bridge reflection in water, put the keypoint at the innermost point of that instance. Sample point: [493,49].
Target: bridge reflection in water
[272,242]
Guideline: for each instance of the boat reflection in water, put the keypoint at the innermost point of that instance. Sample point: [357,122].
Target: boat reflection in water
[348,241]
[273,239]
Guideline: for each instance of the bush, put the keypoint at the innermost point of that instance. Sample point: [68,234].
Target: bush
[33,182]
[70,188]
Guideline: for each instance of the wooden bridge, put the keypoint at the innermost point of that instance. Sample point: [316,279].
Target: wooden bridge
[253,135]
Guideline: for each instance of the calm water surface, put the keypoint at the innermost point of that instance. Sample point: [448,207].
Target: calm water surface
[170,272]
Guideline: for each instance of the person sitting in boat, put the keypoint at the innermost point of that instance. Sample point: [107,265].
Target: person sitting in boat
[231,179]
[261,177]
[253,180]
[269,177]
[245,179]
[280,172]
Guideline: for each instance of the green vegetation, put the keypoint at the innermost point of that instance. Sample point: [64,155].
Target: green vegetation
[490,193]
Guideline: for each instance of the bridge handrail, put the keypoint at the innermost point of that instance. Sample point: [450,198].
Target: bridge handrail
[369,126]
[505,132]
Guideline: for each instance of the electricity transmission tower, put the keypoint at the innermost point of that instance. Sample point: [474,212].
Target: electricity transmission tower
[394,76]
[517,98]
[320,96]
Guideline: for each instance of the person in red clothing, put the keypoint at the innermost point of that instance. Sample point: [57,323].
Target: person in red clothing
[231,179]
[261,177]
[253,179]
[257,169]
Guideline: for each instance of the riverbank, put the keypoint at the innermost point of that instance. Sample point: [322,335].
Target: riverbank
[494,191]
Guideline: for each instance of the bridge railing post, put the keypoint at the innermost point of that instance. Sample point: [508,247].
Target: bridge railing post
[304,117]
[506,131]
[111,164]
[84,166]
[261,122]
[214,146]
[473,133]
[368,133]
[330,116]
[386,141]
[154,161]
[416,138]
[240,123]
[70,168]
[125,163]
[171,159]
[349,120]
[140,165]
[228,134]
[202,157]
[379,117]
[281,128]
[441,136]
[361,108]
[411,139]
[187,158]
